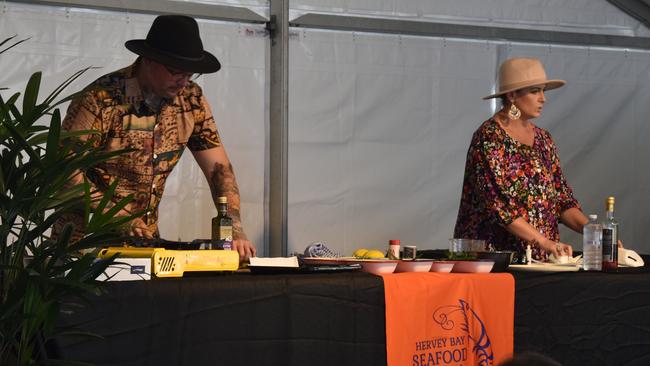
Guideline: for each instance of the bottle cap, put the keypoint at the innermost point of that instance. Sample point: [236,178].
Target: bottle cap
[223,199]
[593,217]
[393,242]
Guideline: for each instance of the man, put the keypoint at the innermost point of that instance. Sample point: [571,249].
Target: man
[155,108]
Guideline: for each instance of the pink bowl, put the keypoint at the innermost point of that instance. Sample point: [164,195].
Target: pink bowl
[418,265]
[377,266]
[480,266]
[443,266]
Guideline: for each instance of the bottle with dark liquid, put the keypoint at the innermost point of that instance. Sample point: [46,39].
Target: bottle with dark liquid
[610,238]
[222,226]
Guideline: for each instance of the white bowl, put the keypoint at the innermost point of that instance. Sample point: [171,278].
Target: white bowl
[417,265]
[444,266]
[479,266]
[378,266]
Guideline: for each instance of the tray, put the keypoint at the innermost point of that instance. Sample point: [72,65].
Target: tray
[545,267]
[307,268]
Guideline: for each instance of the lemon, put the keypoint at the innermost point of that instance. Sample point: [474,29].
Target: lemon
[361,252]
[374,254]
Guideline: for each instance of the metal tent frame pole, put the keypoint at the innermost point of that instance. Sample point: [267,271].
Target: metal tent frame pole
[278,28]
[432,29]
[198,10]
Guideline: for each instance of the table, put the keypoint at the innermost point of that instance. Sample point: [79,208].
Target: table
[585,318]
[339,319]
[235,319]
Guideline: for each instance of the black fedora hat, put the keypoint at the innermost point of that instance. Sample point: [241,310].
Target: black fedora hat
[174,40]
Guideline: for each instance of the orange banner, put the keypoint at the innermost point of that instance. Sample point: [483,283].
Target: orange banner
[448,318]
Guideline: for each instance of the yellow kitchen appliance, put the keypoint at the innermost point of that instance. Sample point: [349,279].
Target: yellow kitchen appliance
[174,263]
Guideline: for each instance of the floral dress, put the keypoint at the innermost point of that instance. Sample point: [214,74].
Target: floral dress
[505,180]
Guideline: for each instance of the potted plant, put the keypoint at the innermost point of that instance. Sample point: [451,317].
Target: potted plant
[39,273]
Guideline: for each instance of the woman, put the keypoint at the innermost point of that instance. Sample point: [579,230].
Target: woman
[514,192]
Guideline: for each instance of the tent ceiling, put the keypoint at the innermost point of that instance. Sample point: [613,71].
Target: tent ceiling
[639,9]
[196,9]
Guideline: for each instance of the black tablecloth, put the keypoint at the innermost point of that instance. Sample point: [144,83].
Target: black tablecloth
[584,318]
[338,319]
[236,319]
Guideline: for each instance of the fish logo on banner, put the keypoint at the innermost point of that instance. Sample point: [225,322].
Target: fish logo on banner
[466,329]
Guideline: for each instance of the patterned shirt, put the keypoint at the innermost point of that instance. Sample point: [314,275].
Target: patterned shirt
[114,106]
[505,180]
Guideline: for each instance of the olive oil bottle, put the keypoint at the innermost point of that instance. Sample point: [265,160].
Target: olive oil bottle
[222,226]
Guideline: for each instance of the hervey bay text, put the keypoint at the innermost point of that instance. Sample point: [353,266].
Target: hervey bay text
[440,351]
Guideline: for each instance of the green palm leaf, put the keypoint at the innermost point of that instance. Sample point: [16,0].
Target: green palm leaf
[37,272]
[31,97]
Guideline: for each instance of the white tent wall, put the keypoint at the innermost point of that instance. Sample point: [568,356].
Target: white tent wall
[65,40]
[360,175]
[380,125]
[379,128]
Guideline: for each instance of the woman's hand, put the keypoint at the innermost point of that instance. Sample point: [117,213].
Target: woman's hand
[522,229]
[558,249]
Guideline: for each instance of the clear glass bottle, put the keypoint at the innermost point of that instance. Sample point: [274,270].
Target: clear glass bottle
[592,249]
[222,226]
[610,237]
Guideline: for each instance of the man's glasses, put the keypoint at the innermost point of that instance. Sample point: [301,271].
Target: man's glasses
[179,74]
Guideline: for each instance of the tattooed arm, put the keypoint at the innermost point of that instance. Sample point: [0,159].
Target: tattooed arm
[218,171]
[223,183]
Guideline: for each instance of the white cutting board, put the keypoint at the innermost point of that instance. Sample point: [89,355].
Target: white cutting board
[545,267]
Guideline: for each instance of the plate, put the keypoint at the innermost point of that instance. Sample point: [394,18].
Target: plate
[323,260]
[478,266]
[442,266]
[375,266]
[324,268]
[417,265]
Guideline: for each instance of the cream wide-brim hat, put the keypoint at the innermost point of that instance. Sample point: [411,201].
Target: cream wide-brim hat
[519,73]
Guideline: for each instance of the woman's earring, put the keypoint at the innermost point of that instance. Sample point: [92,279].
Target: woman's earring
[514,112]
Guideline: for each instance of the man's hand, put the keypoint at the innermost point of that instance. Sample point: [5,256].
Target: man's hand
[245,248]
[138,228]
